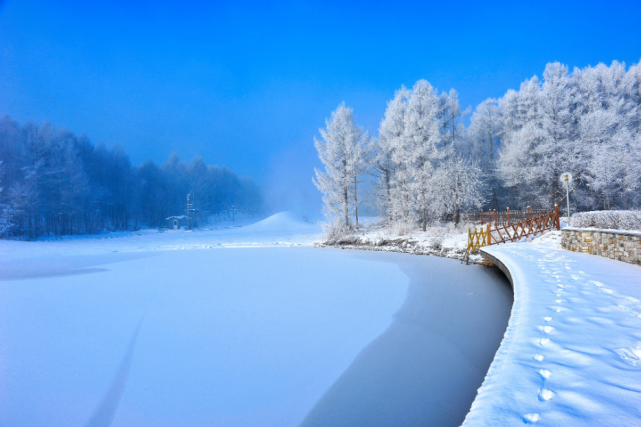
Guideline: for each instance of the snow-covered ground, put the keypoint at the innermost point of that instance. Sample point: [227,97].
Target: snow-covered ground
[572,352]
[444,240]
[246,328]
[241,326]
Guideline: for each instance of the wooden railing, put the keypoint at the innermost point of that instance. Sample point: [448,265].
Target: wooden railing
[509,226]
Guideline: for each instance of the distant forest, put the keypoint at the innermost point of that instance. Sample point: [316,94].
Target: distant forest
[54,182]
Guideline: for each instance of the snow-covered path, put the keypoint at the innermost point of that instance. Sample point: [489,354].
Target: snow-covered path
[572,352]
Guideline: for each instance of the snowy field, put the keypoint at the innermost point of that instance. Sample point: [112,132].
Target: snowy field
[243,326]
[572,352]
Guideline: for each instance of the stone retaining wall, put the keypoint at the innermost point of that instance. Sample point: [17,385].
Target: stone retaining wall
[615,244]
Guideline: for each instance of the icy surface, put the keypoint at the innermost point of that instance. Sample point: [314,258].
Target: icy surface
[426,367]
[241,326]
[238,336]
[572,351]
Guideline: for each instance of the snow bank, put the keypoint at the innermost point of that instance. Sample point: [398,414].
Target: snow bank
[444,241]
[571,355]
[614,220]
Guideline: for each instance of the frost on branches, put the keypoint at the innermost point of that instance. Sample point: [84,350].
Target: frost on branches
[344,150]
[427,167]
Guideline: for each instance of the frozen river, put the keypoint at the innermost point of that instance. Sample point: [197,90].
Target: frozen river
[240,336]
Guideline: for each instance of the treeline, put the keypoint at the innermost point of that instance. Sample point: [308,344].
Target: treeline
[426,165]
[55,182]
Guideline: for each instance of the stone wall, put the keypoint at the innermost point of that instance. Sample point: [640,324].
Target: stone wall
[620,245]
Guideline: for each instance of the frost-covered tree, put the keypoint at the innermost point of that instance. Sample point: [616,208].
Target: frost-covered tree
[384,164]
[343,150]
[57,182]
[451,120]
[461,185]
[424,144]
[6,212]
[485,135]
[587,122]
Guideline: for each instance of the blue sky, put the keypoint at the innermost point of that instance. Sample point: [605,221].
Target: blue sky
[248,84]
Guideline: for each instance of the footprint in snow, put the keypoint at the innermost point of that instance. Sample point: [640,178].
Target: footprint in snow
[538,357]
[545,374]
[546,329]
[531,418]
[546,394]
[630,355]
[544,341]
[547,319]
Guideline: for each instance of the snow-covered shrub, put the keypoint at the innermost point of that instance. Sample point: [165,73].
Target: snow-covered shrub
[337,230]
[614,220]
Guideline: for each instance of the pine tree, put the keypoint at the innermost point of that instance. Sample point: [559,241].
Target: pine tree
[343,151]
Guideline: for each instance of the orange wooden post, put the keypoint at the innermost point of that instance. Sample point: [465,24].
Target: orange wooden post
[529,217]
[508,215]
[489,236]
[558,220]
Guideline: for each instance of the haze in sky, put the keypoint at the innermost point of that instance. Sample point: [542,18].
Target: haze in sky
[248,84]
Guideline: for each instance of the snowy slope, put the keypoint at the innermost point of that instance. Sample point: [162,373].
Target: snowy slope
[571,355]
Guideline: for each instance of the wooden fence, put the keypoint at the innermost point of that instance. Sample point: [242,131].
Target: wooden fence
[509,226]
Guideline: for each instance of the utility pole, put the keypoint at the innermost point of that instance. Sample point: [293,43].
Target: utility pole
[190,208]
[566,178]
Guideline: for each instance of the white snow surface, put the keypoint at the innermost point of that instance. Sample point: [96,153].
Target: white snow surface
[240,326]
[137,331]
[571,355]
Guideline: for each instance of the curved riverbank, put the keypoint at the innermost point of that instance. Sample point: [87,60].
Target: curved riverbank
[426,368]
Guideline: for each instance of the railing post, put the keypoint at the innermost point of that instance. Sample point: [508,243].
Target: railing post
[508,215]
[558,220]
[529,215]
[489,236]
